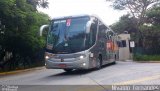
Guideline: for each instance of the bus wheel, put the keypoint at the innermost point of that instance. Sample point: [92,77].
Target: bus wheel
[68,70]
[99,64]
[114,62]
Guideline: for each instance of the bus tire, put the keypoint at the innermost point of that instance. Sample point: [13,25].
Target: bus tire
[68,70]
[114,62]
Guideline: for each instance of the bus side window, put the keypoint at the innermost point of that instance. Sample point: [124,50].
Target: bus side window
[102,30]
[93,33]
[91,37]
[109,35]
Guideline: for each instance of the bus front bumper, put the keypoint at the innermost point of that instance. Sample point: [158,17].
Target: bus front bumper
[69,64]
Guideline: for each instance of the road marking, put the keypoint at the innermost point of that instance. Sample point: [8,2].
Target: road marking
[91,88]
[130,82]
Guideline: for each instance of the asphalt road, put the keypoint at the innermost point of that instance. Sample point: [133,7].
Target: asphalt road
[121,73]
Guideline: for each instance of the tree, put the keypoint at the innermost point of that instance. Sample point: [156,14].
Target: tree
[40,3]
[136,8]
[21,40]
[125,23]
[152,16]
[151,32]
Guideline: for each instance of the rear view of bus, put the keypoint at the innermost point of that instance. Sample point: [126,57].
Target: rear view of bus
[72,43]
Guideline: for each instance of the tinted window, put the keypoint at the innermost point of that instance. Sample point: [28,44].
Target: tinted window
[124,43]
[91,37]
[68,35]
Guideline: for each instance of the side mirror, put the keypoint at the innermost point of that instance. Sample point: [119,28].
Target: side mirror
[42,28]
[88,25]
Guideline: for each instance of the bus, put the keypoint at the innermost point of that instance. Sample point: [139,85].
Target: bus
[79,42]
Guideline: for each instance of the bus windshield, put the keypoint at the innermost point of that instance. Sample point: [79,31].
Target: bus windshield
[67,35]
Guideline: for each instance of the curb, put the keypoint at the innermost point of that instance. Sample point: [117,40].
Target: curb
[147,61]
[140,61]
[20,71]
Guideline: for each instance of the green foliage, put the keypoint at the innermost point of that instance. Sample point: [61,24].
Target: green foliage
[40,3]
[145,22]
[151,30]
[22,24]
[136,8]
[126,23]
[139,57]
[153,16]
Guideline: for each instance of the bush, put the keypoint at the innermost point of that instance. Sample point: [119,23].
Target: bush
[139,57]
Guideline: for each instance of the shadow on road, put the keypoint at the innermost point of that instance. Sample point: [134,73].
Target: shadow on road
[81,72]
[75,72]
[67,75]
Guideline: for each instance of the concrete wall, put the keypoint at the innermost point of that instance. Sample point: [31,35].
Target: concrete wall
[124,53]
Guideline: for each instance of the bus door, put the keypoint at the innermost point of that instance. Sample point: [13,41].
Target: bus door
[102,41]
[110,46]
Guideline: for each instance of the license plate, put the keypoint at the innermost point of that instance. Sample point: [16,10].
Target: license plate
[62,65]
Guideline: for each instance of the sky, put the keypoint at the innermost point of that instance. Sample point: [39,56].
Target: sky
[101,8]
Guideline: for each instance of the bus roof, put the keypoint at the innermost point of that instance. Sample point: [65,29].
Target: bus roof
[76,16]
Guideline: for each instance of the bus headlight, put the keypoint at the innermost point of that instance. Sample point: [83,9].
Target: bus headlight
[81,57]
[46,57]
[84,64]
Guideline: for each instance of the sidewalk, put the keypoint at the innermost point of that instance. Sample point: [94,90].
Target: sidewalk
[141,61]
[20,71]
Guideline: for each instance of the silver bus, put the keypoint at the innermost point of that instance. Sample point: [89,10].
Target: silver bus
[79,42]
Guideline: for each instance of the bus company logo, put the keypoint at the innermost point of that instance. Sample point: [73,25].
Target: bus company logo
[68,23]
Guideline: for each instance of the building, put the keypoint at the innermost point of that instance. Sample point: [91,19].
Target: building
[124,47]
